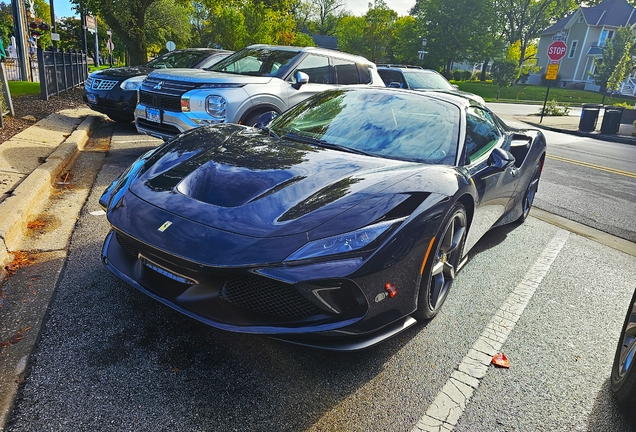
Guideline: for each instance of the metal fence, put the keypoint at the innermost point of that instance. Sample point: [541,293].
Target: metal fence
[13,70]
[60,71]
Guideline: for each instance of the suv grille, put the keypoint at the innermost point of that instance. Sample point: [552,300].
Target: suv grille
[267,296]
[100,84]
[163,94]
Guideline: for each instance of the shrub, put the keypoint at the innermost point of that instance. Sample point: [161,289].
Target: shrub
[554,108]
[465,75]
[624,105]
[457,75]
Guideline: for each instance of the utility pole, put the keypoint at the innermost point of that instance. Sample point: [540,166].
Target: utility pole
[17,8]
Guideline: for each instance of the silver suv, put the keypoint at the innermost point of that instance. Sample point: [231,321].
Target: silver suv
[240,88]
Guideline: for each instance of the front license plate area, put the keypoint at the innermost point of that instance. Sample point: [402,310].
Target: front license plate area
[91,98]
[153,115]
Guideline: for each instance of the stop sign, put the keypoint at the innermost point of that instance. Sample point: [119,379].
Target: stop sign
[556,50]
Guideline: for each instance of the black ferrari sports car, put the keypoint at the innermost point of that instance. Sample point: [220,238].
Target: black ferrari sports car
[338,224]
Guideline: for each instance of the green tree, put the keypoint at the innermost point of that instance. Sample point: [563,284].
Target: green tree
[407,40]
[351,36]
[456,30]
[379,30]
[127,19]
[505,71]
[6,22]
[168,20]
[619,49]
[525,20]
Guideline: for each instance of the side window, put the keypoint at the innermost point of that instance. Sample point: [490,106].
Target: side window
[481,133]
[365,74]
[346,72]
[317,67]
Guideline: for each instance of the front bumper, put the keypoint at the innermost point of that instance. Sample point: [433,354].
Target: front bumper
[172,123]
[116,102]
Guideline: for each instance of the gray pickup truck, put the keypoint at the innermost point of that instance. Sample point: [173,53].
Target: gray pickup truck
[243,86]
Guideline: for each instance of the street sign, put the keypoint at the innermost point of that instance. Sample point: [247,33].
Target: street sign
[552,72]
[91,24]
[557,50]
[170,46]
[110,45]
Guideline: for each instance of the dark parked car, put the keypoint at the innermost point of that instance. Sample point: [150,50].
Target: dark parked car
[114,91]
[416,78]
[623,382]
[337,225]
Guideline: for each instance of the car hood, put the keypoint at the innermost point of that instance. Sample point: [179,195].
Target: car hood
[122,72]
[207,77]
[241,180]
[467,95]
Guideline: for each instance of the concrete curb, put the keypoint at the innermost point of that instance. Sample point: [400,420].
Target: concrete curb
[28,197]
[599,136]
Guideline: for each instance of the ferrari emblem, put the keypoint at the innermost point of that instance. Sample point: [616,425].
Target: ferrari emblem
[165,226]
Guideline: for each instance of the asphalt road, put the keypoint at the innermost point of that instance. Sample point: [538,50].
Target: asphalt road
[585,180]
[111,359]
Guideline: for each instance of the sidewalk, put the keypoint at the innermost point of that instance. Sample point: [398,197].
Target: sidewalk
[570,124]
[30,163]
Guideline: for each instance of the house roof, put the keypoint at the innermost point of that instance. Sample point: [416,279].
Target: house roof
[610,13]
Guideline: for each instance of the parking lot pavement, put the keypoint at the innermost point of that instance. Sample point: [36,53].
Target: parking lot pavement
[110,358]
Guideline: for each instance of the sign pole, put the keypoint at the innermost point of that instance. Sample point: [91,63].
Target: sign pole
[545,101]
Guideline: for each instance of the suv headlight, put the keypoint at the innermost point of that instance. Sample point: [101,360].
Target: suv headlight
[133,83]
[215,106]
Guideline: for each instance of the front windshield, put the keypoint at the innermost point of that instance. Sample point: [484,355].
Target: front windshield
[179,59]
[426,80]
[378,122]
[257,62]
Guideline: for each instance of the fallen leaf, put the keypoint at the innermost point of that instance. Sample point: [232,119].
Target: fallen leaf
[15,338]
[36,224]
[500,360]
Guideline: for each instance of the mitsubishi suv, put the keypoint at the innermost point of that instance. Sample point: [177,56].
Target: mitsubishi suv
[240,88]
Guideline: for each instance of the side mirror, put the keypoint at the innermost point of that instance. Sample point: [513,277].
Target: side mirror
[455,86]
[498,161]
[263,121]
[301,78]
[394,84]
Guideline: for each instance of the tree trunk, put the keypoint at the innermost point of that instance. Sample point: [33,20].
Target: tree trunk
[484,68]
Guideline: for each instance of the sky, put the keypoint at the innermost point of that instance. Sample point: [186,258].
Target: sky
[63,8]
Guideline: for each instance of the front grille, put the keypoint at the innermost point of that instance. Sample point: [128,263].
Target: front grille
[155,100]
[164,87]
[267,296]
[100,84]
[128,246]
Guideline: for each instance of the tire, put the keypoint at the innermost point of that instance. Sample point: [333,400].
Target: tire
[623,377]
[440,268]
[251,119]
[528,197]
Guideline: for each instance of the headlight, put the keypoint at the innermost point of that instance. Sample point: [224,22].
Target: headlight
[133,83]
[343,243]
[215,106]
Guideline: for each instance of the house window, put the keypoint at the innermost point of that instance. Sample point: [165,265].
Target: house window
[581,19]
[606,35]
[573,48]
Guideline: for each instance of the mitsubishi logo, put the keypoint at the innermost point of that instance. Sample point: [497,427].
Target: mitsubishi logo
[158,86]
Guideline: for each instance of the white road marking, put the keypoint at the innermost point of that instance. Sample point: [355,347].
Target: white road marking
[450,403]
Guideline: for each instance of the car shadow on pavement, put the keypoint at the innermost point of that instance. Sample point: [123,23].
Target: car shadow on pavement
[607,415]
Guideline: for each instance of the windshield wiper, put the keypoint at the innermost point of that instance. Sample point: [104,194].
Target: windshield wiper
[323,143]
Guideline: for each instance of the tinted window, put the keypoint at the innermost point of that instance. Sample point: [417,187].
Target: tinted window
[378,122]
[365,74]
[178,59]
[423,79]
[389,76]
[257,61]
[481,133]
[317,67]
[346,72]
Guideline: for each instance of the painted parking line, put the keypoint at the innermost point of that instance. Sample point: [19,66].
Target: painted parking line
[450,403]
[593,166]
